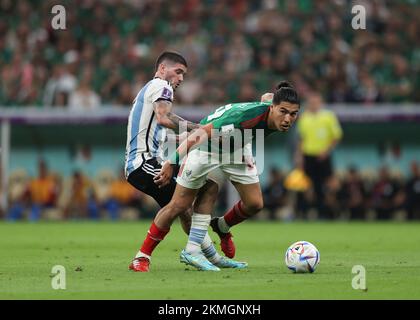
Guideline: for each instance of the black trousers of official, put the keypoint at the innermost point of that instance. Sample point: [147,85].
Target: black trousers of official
[319,171]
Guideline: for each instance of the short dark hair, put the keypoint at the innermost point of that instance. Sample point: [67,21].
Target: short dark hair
[285,92]
[170,56]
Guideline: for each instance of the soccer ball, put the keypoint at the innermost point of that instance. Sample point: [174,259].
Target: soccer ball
[302,257]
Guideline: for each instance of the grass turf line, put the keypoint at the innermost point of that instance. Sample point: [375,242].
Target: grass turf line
[102,251]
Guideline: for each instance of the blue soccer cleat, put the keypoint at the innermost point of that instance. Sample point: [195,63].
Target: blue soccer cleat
[197,261]
[229,263]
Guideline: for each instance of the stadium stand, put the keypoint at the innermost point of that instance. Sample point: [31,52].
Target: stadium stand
[254,42]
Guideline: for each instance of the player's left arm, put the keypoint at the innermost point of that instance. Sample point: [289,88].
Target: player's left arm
[165,117]
[176,120]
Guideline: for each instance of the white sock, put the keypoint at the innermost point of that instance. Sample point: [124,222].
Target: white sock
[223,226]
[141,254]
[209,250]
[199,226]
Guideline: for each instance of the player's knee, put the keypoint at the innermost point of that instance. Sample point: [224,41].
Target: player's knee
[179,208]
[254,206]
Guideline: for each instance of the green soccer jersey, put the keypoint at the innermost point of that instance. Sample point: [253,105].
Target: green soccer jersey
[247,115]
[242,116]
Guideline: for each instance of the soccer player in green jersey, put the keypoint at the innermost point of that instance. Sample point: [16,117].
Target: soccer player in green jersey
[279,115]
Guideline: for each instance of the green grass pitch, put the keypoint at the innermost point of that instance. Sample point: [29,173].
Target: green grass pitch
[102,251]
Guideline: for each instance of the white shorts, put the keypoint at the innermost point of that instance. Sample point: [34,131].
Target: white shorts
[195,169]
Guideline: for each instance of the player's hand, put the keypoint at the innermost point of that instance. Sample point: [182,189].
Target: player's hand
[267,97]
[164,177]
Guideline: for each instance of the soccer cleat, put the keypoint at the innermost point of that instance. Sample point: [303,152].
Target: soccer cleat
[226,242]
[228,263]
[141,264]
[198,261]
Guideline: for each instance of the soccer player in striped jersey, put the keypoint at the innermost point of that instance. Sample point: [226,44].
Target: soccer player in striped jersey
[150,115]
[279,115]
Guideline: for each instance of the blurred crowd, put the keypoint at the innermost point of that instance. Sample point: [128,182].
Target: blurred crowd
[109,47]
[350,195]
[51,196]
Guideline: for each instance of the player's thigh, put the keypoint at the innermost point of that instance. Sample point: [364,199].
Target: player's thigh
[251,196]
[144,182]
[164,195]
[247,184]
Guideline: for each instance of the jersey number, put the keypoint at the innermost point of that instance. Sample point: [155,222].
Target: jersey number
[219,112]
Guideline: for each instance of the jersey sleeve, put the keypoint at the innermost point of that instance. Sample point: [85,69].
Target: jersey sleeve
[245,115]
[161,91]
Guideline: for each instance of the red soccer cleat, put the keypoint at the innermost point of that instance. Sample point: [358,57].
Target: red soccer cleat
[226,242]
[141,264]
[228,247]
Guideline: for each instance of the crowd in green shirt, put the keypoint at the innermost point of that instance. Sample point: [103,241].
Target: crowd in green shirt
[235,49]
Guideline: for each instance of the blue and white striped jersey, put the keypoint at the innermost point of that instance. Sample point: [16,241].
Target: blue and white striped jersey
[144,135]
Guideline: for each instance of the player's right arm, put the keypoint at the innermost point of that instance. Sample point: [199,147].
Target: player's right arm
[165,117]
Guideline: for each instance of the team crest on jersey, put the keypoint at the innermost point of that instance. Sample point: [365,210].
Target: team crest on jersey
[166,93]
[187,173]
